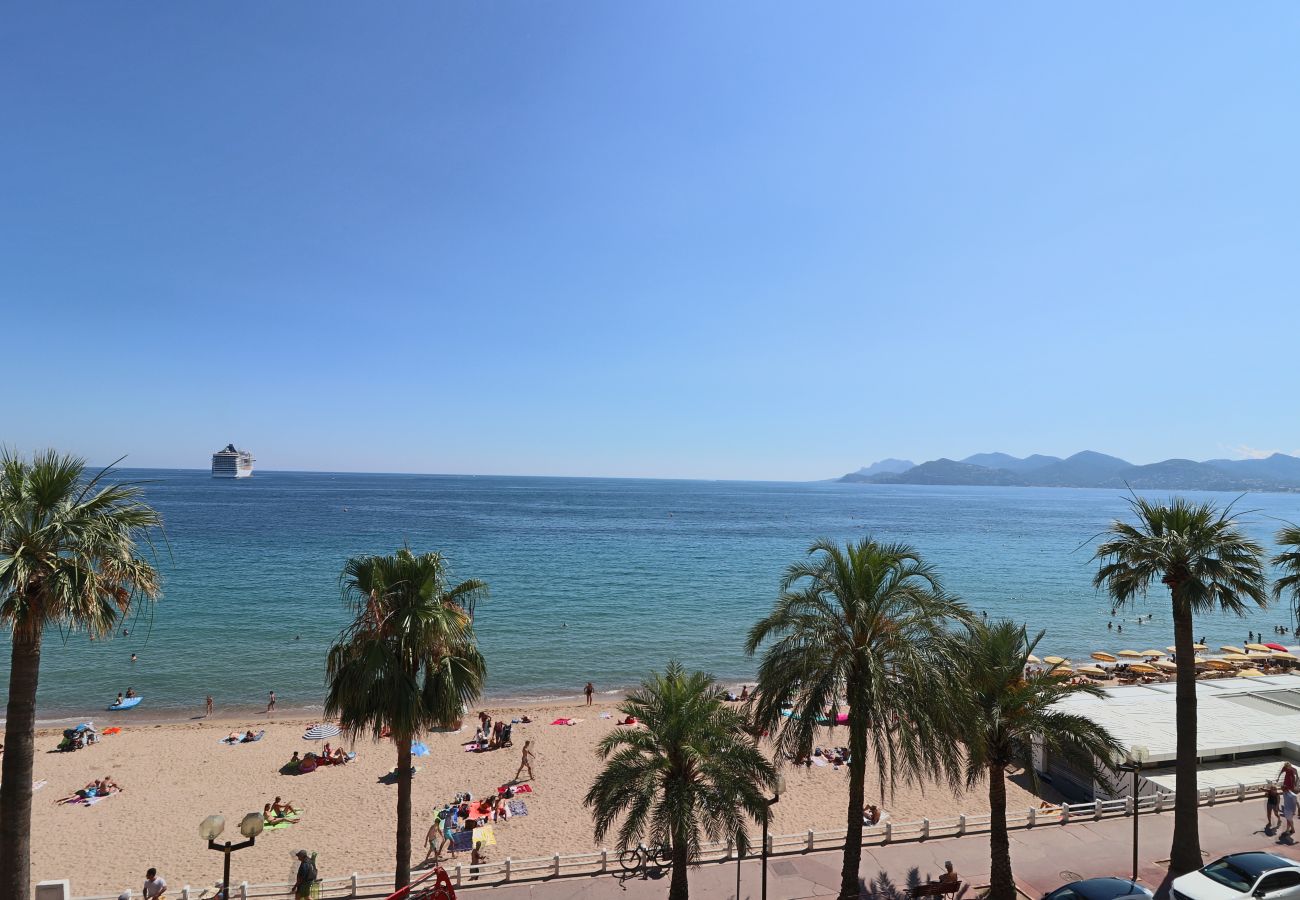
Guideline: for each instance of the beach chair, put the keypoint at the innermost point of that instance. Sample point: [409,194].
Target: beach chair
[505,736]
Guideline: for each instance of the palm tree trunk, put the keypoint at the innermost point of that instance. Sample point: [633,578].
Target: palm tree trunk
[403,813]
[849,881]
[1002,885]
[16,790]
[1185,854]
[678,888]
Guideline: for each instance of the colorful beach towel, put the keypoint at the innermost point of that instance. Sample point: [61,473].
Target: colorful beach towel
[113,730]
[485,835]
[562,722]
[519,788]
[462,841]
[517,808]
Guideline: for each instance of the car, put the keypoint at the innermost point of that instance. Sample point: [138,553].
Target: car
[1100,889]
[1260,875]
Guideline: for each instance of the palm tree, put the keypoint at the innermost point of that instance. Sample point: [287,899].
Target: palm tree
[1200,554]
[862,625]
[68,559]
[408,662]
[1288,563]
[1003,710]
[693,769]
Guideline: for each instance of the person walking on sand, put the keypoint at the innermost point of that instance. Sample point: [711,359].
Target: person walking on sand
[589,690]
[270,702]
[526,762]
[154,885]
[207,706]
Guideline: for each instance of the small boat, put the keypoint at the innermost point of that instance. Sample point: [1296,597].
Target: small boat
[128,703]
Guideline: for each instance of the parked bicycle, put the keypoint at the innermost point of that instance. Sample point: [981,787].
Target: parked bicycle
[640,858]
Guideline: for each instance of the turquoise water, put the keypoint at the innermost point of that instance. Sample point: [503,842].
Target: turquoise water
[590,578]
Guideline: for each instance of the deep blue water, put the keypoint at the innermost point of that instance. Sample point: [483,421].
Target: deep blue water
[590,578]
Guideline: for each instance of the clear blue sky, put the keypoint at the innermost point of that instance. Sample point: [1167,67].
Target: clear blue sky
[733,240]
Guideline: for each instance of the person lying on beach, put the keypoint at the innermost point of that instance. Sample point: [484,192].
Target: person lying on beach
[283,808]
[340,756]
[248,737]
[270,816]
[871,814]
[98,788]
[630,720]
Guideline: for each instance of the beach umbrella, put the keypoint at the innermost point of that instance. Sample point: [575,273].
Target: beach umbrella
[418,749]
[1197,647]
[1143,668]
[1219,664]
[1275,647]
[1262,648]
[1166,665]
[1228,648]
[1155,653]
[321,732]
[1033,659]
[1282,654]
[1130,654]
[1251,673]
[1094,671]
[1237,657]
[1055,660]
[1103,656]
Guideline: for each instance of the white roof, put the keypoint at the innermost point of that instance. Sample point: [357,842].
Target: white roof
[1234,715]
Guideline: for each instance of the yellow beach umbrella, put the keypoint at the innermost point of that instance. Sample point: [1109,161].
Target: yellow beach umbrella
[1095,671]
[1143,668]
[1260,647]
[1228,648]
[1197,647]
[1219,664]
[1131,654]
[1166,665]
[1103,656]
[1236,657]
[1033,659]
[1251,673]
[1289,657]
[1155,653]
[1055,660]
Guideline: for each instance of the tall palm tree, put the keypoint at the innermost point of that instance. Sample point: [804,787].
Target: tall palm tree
[862,625]
[1003,709]
[1288,564]
[68,559]
[693,769]
[1201,555]
[408,662]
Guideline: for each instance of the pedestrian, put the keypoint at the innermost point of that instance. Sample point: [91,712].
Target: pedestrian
[302,884]
[1288,813]
[1288,776]
[270,701]
[207,707]
[589,690]
[476,859]
[154,885]
[526,762]
[1272,803]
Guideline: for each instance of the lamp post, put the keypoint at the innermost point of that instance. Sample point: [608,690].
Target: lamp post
[780,788]
[1133,765]
[210,829]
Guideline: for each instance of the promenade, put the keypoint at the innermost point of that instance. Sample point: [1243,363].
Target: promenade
[1044,858]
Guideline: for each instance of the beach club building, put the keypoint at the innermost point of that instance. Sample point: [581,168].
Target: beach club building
[1246,728]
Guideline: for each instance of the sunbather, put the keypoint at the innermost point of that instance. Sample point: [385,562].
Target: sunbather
[248,737]
[340,757]
[270,816]
[283,808]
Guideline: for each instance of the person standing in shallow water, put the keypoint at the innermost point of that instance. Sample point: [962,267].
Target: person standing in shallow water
[589,690]
[270,702]
[207,706]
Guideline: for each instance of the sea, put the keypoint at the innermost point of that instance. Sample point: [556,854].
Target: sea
[599,580]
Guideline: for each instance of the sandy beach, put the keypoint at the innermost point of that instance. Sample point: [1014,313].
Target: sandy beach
[174,775]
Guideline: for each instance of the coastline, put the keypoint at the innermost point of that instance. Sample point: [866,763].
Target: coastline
[178,773]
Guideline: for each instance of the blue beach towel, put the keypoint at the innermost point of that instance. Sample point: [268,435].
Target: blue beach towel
[517,808]
[462,840]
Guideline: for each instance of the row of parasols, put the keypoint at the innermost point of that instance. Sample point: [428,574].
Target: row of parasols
[1154,662]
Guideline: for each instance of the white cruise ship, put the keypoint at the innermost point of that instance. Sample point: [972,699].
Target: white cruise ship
[232,463]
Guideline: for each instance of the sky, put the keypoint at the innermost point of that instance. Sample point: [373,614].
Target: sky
[742,240]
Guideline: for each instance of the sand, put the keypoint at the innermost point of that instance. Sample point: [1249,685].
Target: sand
[176,774]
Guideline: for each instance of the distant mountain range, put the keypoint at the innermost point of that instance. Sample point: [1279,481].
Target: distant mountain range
[1088,468]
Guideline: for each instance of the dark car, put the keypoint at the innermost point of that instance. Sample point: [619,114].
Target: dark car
[1100,889]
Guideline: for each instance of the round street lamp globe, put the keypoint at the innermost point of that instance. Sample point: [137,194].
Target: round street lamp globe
[211,827]
[251,825]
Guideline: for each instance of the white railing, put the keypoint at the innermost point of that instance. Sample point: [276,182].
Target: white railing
[597,862]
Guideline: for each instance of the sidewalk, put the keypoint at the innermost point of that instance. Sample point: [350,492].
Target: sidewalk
[1044,858]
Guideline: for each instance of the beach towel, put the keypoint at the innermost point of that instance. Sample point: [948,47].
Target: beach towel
[606,715]
[485,835]
[480,809]
[113,730]
[819,761]
[517,808]
[519,788]
[462,841]
[562,722]
[278,824]
[227,740]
